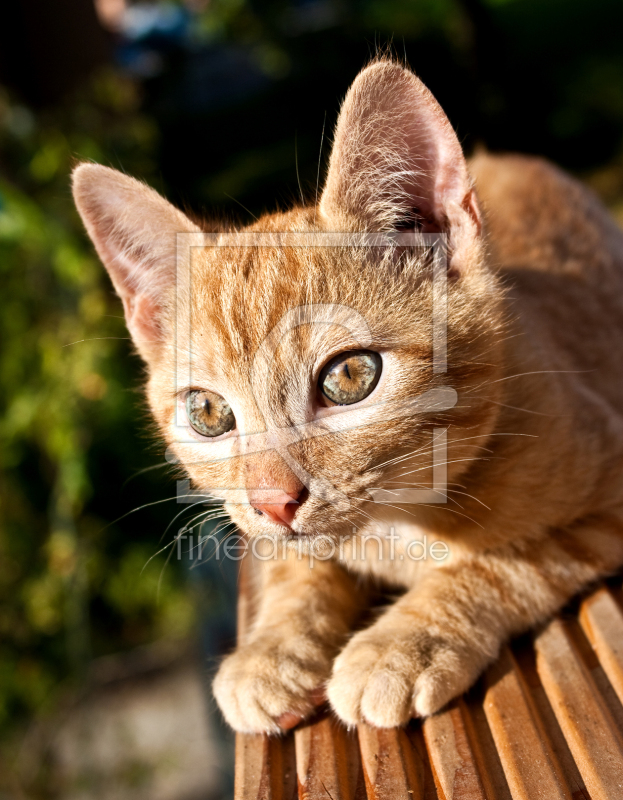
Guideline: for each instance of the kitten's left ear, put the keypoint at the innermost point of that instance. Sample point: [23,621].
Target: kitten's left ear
[134,232]
[396,161]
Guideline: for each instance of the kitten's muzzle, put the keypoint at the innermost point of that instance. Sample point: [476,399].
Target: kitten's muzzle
[272,488]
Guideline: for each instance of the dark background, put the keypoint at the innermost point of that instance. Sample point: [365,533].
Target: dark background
[221,105]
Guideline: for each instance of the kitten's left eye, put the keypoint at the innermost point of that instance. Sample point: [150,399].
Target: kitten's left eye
[350,377]
[209,413]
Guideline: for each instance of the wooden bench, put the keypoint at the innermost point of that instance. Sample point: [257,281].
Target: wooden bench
[544,723]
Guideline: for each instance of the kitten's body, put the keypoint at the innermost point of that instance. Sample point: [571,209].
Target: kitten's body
[535,442]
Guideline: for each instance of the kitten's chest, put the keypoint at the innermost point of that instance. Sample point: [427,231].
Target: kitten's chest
[394,550]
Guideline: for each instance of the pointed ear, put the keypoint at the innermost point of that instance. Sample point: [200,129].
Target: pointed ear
[397,164]
[134,232]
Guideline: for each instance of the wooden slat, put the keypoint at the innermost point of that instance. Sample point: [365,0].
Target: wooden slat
[523,652]
[265,768]
[415,733]
[454,762]
[327,761]
[391,766]
[588,726]
[546,723]
[589,658]
[483,746]
[602,621]
[530,764]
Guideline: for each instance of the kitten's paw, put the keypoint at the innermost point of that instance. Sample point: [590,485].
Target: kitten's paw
[270,685]
[385,679]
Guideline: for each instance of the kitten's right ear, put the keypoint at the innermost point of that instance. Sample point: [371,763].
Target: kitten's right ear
[134,232]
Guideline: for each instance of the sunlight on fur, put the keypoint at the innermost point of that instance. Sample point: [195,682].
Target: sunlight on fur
[532,504]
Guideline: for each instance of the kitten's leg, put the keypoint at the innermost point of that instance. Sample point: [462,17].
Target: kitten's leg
[433,643]
[303,617]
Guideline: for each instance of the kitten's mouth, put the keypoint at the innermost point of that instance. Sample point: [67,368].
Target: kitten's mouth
[281,523]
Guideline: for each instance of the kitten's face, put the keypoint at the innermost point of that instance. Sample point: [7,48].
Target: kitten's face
[258,412]
[295,380]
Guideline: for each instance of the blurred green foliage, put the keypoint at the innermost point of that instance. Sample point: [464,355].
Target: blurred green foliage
[71,580]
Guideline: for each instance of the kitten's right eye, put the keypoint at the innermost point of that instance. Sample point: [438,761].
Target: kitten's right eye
[209,414]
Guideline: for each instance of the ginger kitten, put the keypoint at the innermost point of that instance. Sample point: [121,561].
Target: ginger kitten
[315,398]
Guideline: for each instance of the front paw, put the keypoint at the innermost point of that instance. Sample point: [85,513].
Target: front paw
[385,678]
[269,685]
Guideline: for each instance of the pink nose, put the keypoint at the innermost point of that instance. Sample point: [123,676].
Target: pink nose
[280,507]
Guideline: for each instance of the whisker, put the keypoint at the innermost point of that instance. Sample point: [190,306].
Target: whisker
[157,553]
[398,508]
[441,507]
[445,464]
[319,162]
[537,372]
[514,408]
[98,339]
[177,516]
[200,559]
[146,469]
[205,519]
[146,505]
[296,163]
[448,489]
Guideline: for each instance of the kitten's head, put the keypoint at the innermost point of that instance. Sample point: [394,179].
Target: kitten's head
[299,379]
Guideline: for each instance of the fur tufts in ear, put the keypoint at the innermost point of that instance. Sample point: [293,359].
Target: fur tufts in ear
[397,164]
[134,232]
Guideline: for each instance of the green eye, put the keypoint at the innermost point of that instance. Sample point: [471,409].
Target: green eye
[209,413]
[350,377]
